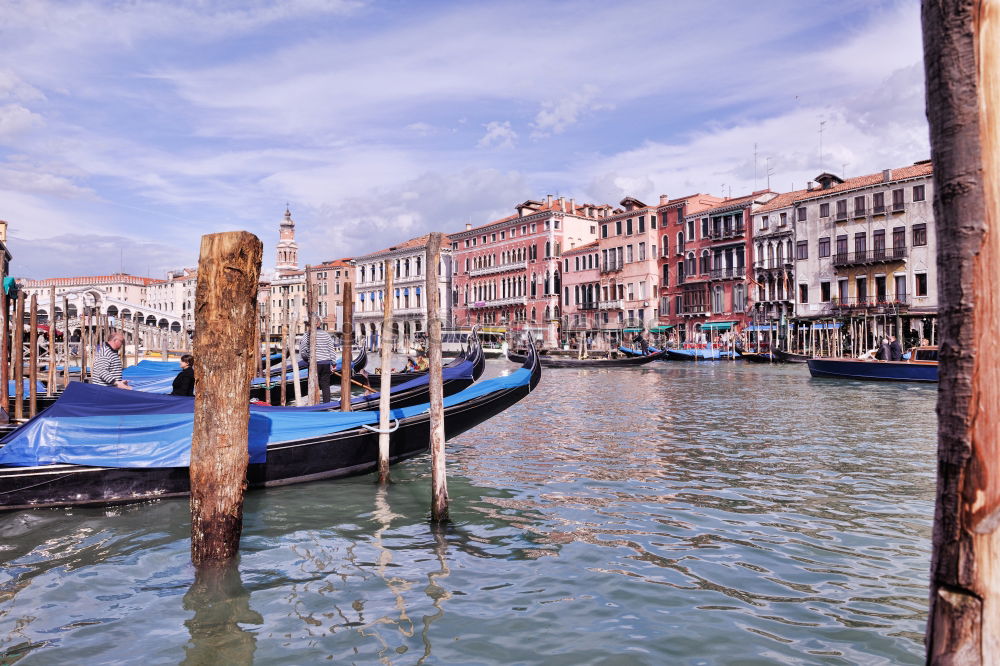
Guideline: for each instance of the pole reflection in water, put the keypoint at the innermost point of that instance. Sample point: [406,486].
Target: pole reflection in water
[434,591]
[220,603]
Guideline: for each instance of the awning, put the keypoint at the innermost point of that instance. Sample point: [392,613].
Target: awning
[499,330]
[717,325]
[826,325]
[759,327]
[632,330]
[661,329]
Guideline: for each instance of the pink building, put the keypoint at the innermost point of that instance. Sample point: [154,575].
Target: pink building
[508,272]
[581,286]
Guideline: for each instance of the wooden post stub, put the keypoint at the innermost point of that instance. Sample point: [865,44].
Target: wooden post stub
[224,346]
[961,52]
[346,354]
[439,481]
[385,380]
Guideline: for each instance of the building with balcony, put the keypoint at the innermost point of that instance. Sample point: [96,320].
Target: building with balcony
[328,279]
[581,287]
[408,261]
[867,246]
[711,291]
[773,270]
[508,272]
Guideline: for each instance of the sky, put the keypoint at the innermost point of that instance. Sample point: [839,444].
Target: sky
[129,129]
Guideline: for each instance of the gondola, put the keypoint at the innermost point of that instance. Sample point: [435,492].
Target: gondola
[757,357]
[707,354]
[260,387]
[628,351]
[567,362]
[61,458]
[789,357]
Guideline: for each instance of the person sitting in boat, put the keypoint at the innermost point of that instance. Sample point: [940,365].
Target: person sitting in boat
[107,369]
[422,362]
[184,381]
[411,365]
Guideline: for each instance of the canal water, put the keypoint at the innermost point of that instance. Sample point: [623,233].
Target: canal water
[711,513]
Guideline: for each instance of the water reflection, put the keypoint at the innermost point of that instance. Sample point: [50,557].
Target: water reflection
[220,603]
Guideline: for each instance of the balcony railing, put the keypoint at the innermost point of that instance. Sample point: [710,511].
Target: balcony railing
[587,306]
[695,309]
[732,232]
[616,304]
[498,302]
[878,210]
[883,303]
[840,216]
[876,256]
[860,212]
[734,272]
[500,268]
[898,206]
[610,267]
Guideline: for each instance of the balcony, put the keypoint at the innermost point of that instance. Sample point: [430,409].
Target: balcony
[876,256]
[860,213]
[898,206]
[587,306]
[500,268]
[679,251]
[695,309]
[840,216]
[732,273]
[878,210]
[725,234]
[617,304]
[498,302]
[610,267]
[880,304]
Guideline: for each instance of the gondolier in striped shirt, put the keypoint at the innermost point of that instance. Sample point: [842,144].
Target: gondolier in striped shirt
[324,359]
[107,369]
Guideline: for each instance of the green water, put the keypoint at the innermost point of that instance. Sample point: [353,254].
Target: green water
[680,514]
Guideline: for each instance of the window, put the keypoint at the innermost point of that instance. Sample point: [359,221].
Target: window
[842,247]
[897,200]
[642,224]
[628,227]
[628,254]
[824,247]
[704,227]
[652,221]
[802,250]
[878,243]
[576,263]
[921,284]
[859,206]
[824,292]
[898,240]
[860,243]
[878,203]
[680,216]
[763,221]
[782,219]
[618,227]
[918,192]
[690,226]
[802,214]
[919,235]
[861,285]
[718,300]
[842,209]
[739,298]
[803,293]
[604,231]
[824,210]
[642,251]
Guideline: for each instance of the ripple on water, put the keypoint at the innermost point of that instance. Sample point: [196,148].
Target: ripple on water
[683,513]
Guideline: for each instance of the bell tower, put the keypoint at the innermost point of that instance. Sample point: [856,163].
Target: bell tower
[288,249]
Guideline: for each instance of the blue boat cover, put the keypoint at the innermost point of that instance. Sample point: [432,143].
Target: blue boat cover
[12,386]
[107,427]
[629,350]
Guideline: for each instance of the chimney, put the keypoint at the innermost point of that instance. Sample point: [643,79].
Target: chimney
[562,204]
[664,199]
[468,225]
[886,175]
[3,231]
[811,185]
[548,200]
[572,206]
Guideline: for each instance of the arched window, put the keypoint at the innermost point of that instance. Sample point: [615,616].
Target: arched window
[680,241]
[706,261]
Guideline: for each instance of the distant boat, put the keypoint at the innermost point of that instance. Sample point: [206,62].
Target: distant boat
[789,357]
[628,351]
[756,357]
[922,366]
[708,354]
[569,362]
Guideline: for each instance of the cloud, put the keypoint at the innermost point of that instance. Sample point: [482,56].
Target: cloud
[498,135]
[559,114]
[69,255]
[15,119]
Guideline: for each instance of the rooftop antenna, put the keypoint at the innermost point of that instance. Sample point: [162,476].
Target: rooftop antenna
[769,171]
[821,125]
[843,171]
[755,166]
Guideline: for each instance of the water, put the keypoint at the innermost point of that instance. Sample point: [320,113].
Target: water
[680,514]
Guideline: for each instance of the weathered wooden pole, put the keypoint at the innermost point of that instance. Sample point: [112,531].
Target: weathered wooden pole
[439,481]
[224,345]
[284,350]
[961,52]
[4,357]
[135,341]
[65,341]
[346,355]
[51,388]
[296,380]
[385,380]
[17,359]
[314,397]
[33,358]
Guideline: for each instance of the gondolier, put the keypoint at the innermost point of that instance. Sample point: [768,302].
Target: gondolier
[107,369]
[324,359]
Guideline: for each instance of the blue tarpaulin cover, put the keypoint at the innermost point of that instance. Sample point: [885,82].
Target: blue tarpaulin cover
[12,386]
[107,427]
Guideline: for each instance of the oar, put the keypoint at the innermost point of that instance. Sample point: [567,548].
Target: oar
[367,388]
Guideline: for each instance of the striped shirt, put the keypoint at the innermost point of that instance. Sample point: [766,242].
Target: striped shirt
[107,367]
[324,347]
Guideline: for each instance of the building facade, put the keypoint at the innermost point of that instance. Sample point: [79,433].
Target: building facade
[328,279]
[409,299]
[581,288]
[866,247]
[508,272]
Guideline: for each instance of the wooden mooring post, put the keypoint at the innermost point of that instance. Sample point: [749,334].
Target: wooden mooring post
[51,387]
[66,334]
[313,379]
[385,380]
[17,357]
[224,348]
[33,358]
[961,52]
[4,357]
[439,481]
[346,353]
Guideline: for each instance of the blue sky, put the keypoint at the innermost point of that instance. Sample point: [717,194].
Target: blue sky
[129,129]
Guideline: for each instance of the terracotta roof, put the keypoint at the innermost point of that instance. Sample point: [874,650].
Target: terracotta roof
[704,198]
[913,171]
[736,201]
[419,241]
[577,209]
[783,200]
[574,250]
[92,279]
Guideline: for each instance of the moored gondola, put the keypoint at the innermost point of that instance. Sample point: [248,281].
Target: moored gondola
[789,357]
[628,351]
[65,458]
[269,390]
[568,362]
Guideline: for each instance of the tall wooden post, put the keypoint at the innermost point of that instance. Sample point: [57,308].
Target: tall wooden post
[17,358]
[285,355]
[135,341]
[385,385]
[65,341]
[439,481]
[51,388]
[4,356]
[314,397]
[962,65]
[346,354]
[224,345]
[33,358]
[296,383]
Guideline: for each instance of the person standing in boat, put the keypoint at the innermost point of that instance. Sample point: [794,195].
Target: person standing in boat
[184,381]
[107,370]
[640,343]
[895,351]
[883,350]
[324,359]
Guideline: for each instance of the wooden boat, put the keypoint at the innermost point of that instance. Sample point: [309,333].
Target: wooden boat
[628,351]
[922,366]
[758,357]
[260,388]
[567,362]
[707,354]
[789,357]
[34,472]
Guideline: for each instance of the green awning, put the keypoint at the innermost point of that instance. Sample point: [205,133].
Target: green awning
[661,329]
[632,330]
[717,326]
